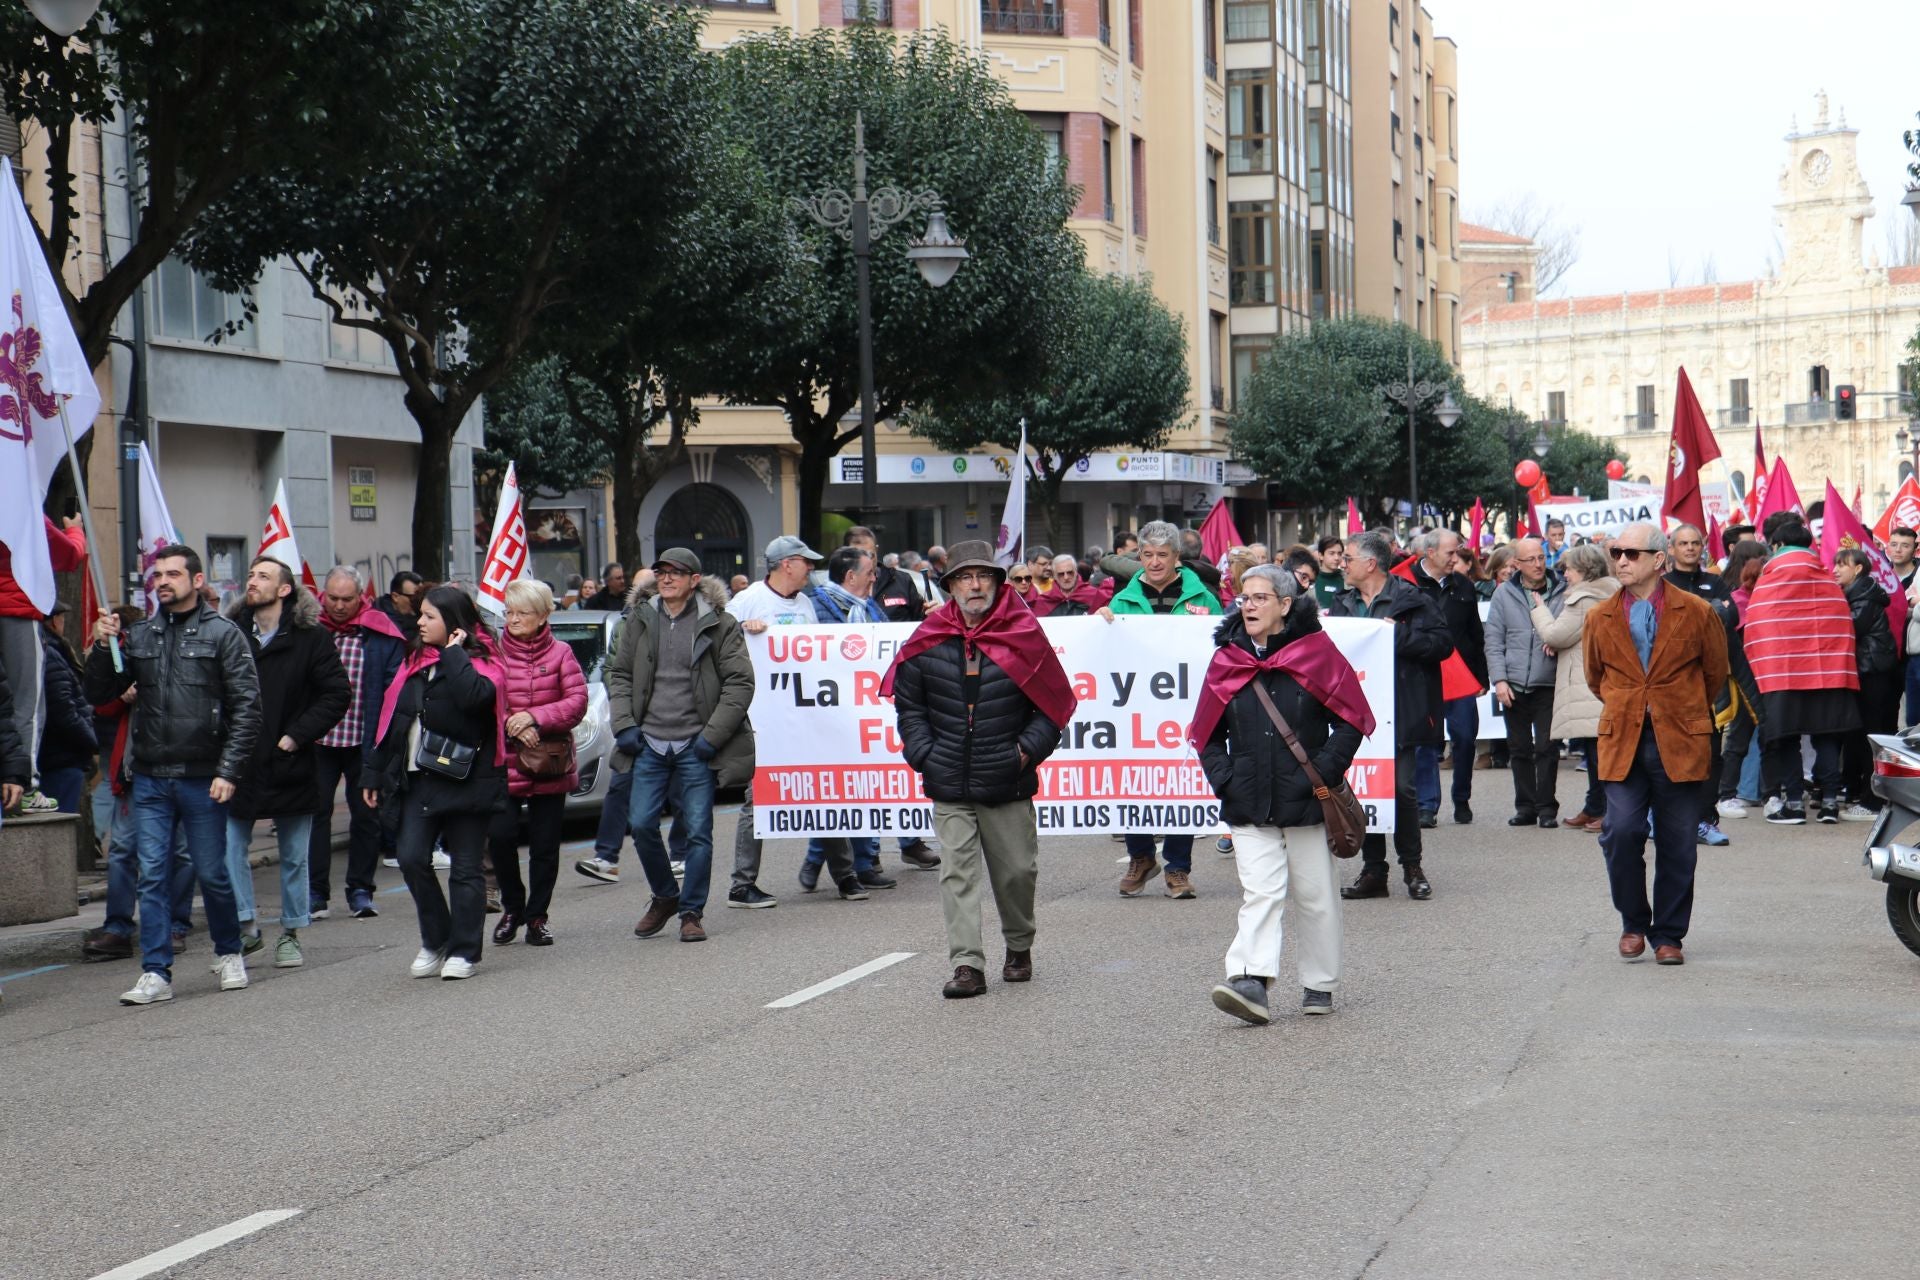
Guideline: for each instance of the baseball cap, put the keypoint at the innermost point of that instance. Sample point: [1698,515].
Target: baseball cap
[788,545]
[678,558]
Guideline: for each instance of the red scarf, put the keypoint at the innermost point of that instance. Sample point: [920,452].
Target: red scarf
[425,656]
[1012,637]
[1313,660]
[369,617]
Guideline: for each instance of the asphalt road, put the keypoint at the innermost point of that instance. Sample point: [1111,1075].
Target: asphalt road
[1497,1095]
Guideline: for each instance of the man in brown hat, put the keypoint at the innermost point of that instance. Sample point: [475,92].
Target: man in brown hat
[982,650]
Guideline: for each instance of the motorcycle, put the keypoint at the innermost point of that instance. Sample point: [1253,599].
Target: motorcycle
[1896,780]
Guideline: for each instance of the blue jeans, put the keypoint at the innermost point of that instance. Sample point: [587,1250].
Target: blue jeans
[692,784]
[158,805]
[123,867]
[68,786]
[613,823]
[1463,727]
[1175,851]
[294,834]
[865,850]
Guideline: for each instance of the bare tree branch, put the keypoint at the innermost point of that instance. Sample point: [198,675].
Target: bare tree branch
[1556,240]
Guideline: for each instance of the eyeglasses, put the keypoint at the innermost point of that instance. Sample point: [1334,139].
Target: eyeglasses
[670,571]
[1259,597]
[1628,553]
[1021,577]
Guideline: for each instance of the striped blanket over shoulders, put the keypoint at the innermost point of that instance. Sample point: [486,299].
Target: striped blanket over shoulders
[1798,629]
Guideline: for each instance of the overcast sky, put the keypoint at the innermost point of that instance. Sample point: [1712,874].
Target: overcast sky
[1658,127]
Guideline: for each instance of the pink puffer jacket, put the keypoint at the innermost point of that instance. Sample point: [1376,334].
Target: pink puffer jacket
[542,679]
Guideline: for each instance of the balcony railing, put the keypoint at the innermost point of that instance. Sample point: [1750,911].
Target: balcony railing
[1109,212]
[1219,397]
[1642,421]
[1809,411]
[875,11]
[1106,32]
[1738,416]
[1213,232]
[1023,17]
[1212,67]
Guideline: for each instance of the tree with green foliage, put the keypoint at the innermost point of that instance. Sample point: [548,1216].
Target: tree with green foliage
[1115,377]
[213,93]
[531,422]
[1306,424]
[936,119]
[530,199]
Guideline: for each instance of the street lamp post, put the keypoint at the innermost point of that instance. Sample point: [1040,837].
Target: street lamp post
[1413,394]
[858,218]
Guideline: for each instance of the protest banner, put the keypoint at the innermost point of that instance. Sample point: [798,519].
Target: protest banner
[829,759]
[1585,519]
[1716,495]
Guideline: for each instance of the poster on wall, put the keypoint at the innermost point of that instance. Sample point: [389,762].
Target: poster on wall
[556,544]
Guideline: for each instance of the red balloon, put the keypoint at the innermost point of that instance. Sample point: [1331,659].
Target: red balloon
[1527,473]
[1616,469]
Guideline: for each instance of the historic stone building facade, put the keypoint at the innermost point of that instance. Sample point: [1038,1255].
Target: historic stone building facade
[1766,353]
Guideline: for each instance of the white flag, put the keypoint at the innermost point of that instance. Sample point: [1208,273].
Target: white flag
[276,539]
[156,522]
[506,549]
[1010,547]
[41,366]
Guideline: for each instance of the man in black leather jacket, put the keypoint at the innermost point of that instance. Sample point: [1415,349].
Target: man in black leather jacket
[194,726]
[976,734]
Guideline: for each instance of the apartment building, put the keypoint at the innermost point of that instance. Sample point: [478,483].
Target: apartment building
[1407,170]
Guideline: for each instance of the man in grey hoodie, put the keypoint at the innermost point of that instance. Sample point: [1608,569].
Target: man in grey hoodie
[1522,676]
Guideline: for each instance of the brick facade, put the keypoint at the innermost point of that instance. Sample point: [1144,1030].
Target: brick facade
[1084,132]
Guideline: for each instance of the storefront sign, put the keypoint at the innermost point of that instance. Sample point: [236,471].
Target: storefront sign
[829,750]
[947,468]
[362,494]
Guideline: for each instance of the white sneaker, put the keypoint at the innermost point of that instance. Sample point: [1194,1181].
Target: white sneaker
[427,963]
[151,989]
[1857,813]
[233,972]
[320,911]
[390,862]
[455,968]
[1732,807]
[677,867]
[441,862]
[599,869]
[1773,806]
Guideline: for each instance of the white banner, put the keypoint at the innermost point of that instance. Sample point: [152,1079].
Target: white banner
[1585,519]
[1715,496]
[506,549]
[829,752]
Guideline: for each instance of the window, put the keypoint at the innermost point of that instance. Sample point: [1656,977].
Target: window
[1248,352]
[1317,280]
[1316,156]
[876,11]
[1216,335]
[1643,407]
[1250,253]
[1136,38]
[1053,131]
[1249,19]
[1106,23]
[1211,58]
[1556,406]
[191,309]
[1213,196]
[1250,120]
[1740,407]
[356,345]
[1316,67]
[1139,186]
[1106,168]
[1818,383]
[1023,17]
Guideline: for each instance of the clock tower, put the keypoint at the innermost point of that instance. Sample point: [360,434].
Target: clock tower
[1823,202]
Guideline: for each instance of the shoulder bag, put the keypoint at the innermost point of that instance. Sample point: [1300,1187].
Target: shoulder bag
[442,755]
[1346,820]
[551,757]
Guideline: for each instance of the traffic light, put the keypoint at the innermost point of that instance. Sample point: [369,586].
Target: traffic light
[1843,403]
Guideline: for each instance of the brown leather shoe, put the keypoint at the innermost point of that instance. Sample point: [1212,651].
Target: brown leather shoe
[1632,946]
[1669,954]
[1178,884]
[659,911]
[1139,871]
[966,981]
[691,930]
[1578,822]
[1018,968]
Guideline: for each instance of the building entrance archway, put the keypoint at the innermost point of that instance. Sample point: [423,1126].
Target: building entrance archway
[708,521]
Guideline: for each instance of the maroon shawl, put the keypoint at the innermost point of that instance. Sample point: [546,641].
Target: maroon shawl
[1012,637]
[1313,660]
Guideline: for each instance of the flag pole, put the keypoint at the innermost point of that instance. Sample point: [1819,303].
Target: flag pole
[86,523]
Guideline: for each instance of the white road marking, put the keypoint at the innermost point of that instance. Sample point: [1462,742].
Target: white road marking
[205,1242]
[842,979]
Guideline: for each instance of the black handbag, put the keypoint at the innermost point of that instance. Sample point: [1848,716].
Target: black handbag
[442,755]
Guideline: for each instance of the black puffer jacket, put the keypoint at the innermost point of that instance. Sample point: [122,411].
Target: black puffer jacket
[969,759]
[459,702]
[303,694]
[1420,644]
[67,739]
[896,593]
[1874,652]
[199,707]
[15,767]
[1249,764]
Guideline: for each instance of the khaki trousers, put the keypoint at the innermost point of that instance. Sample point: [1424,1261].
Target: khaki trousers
[1006,839]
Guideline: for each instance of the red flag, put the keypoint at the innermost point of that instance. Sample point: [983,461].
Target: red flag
[1217,534]
[1690,448]
[1479,517]
[1902,513]
[1456,678]
[1716,544]
[1757,487]
[1353,519]
[1839,529]
[1780,495]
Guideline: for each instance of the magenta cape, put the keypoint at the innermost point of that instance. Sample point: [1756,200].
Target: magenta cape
[1313,660]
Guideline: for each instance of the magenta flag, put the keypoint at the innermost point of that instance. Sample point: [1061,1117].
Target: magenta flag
[1353,518]
[1840,529]
[1780,495]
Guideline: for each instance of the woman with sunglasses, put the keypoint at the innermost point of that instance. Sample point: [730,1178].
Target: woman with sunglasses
[441,756]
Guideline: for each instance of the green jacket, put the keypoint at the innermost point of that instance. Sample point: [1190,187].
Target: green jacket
[1326,586]
[722,685]
[1132,599]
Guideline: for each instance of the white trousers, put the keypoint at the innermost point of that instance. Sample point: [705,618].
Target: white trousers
[1272,861]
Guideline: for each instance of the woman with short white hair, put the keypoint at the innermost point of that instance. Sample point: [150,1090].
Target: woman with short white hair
[543,695]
